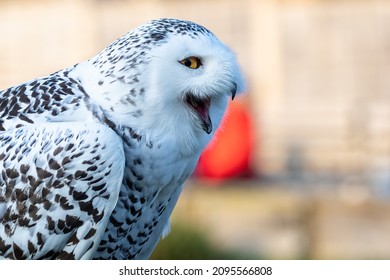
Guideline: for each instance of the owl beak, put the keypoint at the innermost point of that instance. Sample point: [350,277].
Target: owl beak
[207,124]
[234,90]
[201,106]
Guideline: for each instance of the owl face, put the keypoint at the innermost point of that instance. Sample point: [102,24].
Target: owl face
[196,74]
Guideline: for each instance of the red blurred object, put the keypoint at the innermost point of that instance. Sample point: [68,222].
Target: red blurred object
[228,155]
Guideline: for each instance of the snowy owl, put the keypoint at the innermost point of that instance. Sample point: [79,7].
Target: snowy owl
[93,157]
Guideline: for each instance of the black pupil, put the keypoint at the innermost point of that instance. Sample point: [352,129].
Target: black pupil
[188,63]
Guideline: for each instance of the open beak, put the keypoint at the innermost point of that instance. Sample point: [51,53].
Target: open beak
[201,106]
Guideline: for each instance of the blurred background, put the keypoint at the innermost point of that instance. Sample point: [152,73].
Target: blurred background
[301,168]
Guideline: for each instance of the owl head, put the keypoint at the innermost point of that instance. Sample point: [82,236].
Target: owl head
[166,76]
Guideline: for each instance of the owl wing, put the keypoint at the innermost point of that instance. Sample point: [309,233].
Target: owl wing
[59,183]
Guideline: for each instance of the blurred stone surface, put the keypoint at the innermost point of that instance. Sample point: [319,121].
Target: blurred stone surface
[281,222]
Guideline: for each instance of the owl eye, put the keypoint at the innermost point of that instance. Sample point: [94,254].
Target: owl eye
[191,62]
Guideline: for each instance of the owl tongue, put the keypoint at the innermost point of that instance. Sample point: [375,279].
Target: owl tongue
[202,107]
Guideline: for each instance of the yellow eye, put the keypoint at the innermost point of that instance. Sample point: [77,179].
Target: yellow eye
[191,62]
